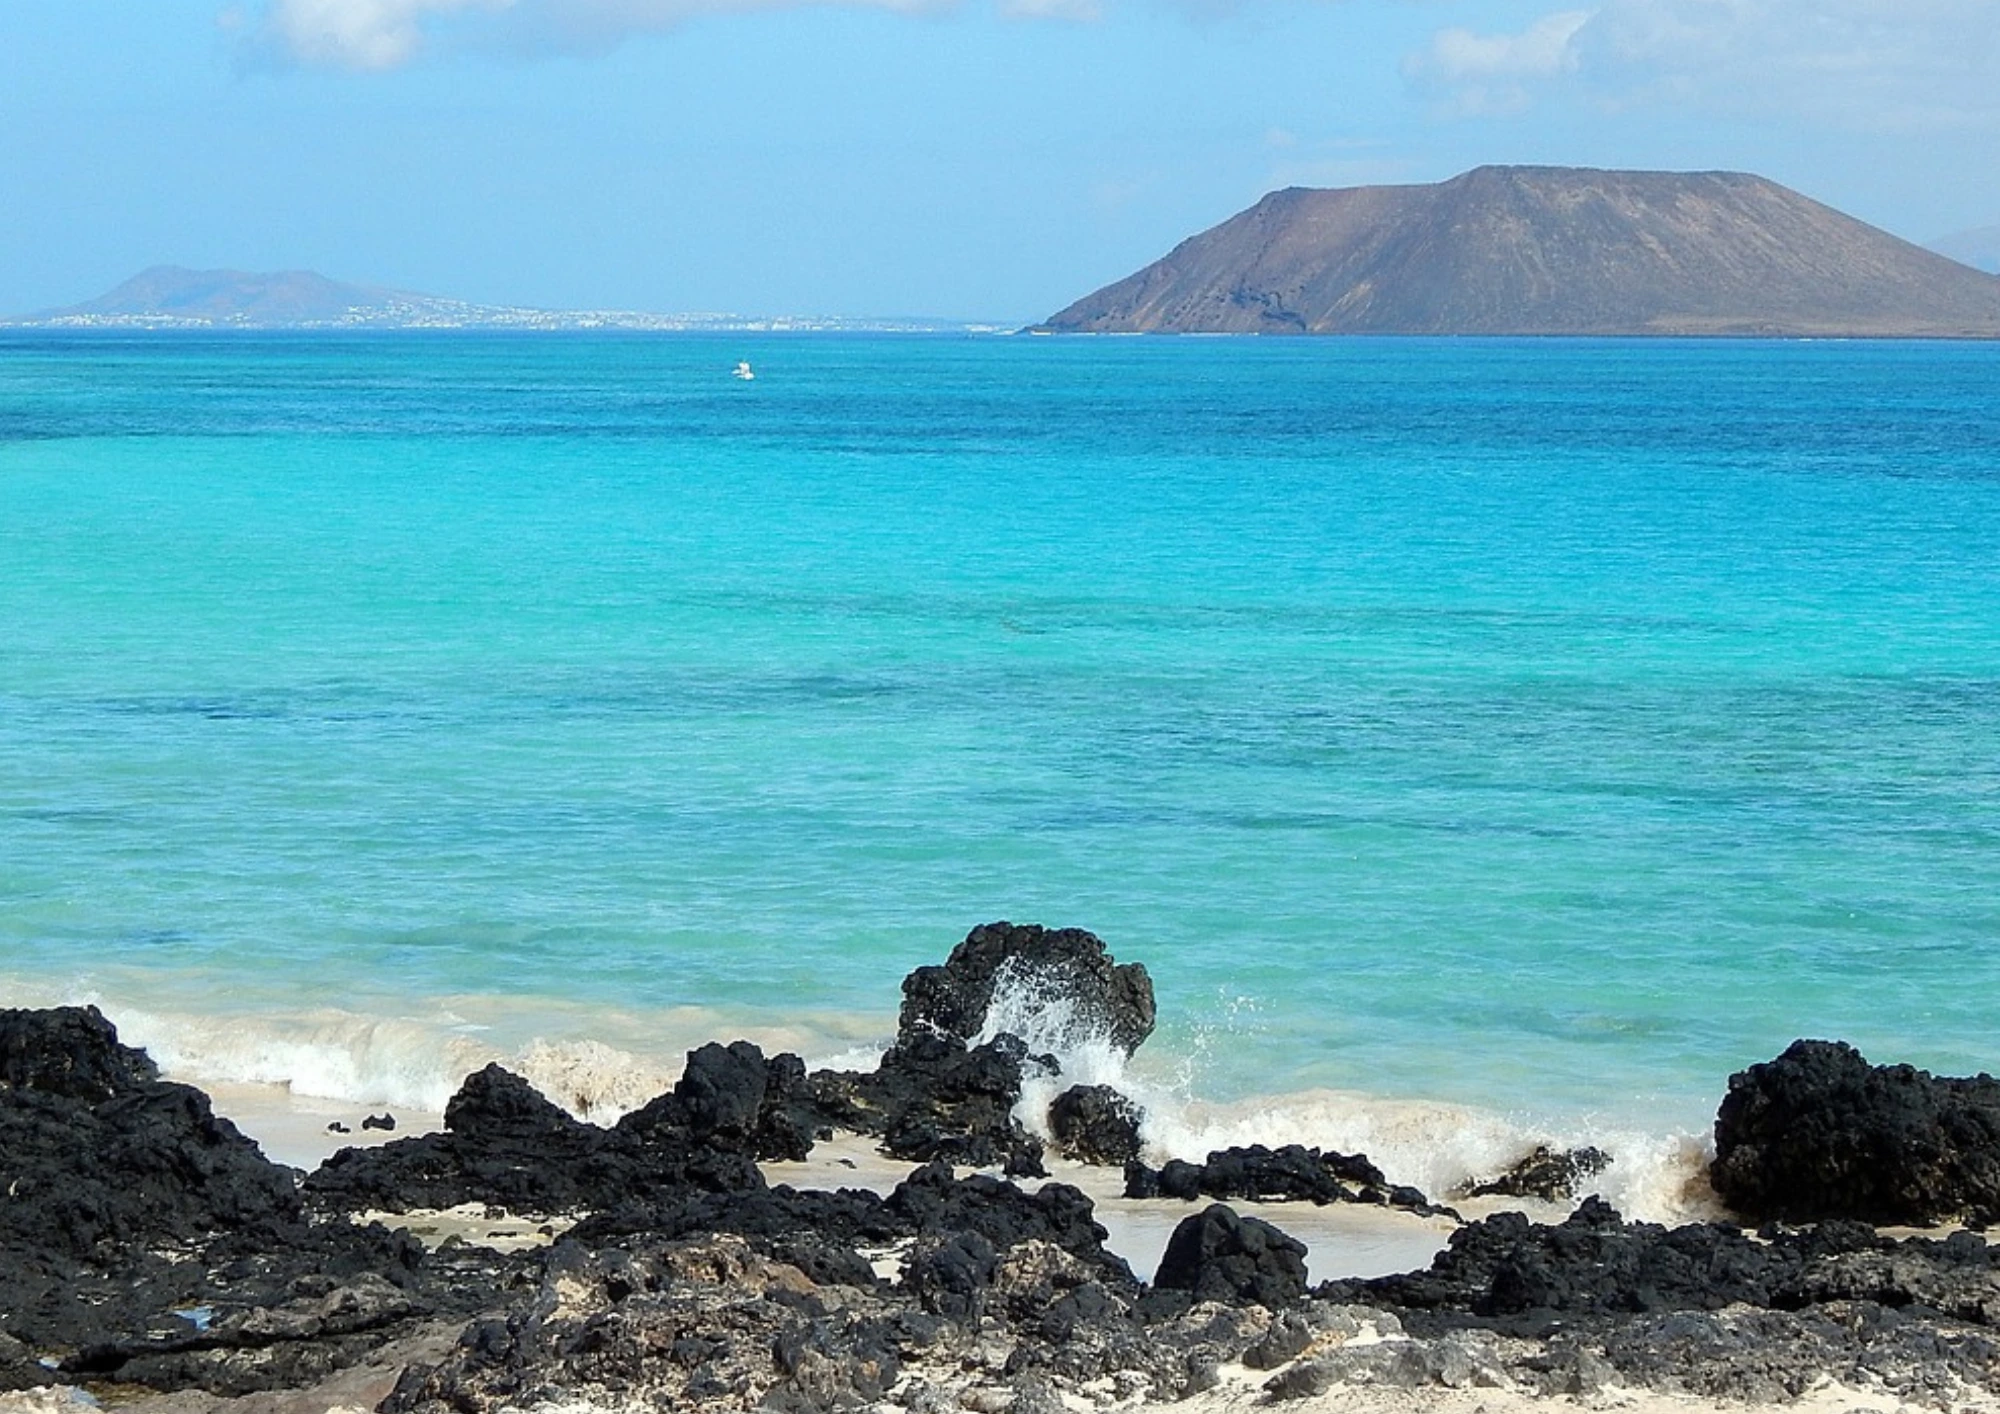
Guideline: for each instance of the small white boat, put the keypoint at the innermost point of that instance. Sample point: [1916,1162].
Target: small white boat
[743,370]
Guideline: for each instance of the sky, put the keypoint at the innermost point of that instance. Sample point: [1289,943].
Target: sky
[974,159]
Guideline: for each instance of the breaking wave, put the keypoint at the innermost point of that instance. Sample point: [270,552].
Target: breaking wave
[1437,1146]
[600,1067]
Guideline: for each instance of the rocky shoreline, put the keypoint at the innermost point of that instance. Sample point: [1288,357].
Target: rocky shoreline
[148,1250]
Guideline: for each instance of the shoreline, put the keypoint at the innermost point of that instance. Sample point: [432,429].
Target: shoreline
[1341,1240]
[972,1225]
[372,1064]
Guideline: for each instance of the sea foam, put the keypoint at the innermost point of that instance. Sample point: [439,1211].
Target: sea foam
[419,1061]
[1437,1146]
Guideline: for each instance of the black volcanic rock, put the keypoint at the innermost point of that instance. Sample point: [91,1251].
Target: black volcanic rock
[146,1244]
[1292,1173]
[932,1097]
[1096,1124]
[1049,967]
[704,1323]
[820,1232]
[1596,1274]
[1548,250]
[505,1144]
[1218,1255]
[97,1154]
[733,1097]
[131,1208]
[1591,1263]
[1551,1175]
[69,1051]
[932,1200]
[1821,1133]
[936,1094]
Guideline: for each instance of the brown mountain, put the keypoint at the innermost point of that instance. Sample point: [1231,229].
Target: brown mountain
[1548,250]
[169,293]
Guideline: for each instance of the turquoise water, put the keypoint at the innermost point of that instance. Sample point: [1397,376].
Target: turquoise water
[1550,726]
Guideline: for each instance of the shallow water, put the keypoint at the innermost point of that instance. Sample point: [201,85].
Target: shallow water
[1544,728]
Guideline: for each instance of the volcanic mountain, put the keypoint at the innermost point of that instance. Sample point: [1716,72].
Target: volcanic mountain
[1548,250]
[170,294]
[172,297]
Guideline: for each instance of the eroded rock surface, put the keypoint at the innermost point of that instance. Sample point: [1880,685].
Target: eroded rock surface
[506,1144]
[1050,968]
[947,1088]
[1096,1124]
[1292,1173]
[144,1240]
[1821,1133]
[1218,1255]
[146,1243]
[1550,1175]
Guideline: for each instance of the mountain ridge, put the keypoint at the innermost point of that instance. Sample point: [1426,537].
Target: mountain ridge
[1548,250]
[177,297]
[1978,248]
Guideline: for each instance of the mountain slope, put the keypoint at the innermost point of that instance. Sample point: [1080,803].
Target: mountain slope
[171,297]
[1548,250]
[288,297]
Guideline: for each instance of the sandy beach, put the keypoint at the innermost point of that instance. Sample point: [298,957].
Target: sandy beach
[938,1234]
[1342,1240]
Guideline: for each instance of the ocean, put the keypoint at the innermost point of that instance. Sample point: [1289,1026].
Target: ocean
[1479,741]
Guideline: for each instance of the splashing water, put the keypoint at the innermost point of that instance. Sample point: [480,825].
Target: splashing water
[1438,1147]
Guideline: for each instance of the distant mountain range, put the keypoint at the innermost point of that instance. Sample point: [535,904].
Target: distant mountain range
[1548,250]
[170,297]
[1979,249]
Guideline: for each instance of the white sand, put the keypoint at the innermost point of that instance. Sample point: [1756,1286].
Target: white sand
[1242,1390]
[1341,1240]
[292,1129]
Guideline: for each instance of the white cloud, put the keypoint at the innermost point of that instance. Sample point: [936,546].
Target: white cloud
[1859,64]
[386,34]
[1489,73]
[1541,49]
[356,34]
[1077,11]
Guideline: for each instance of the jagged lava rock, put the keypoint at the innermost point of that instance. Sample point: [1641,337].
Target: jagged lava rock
[1059,967]
[1821,1133]
[69,1051]
[817,1231]
[933,1097]
[943,1093]
[703,1323]
[1292,1173]
[129,1201]
[734,1098]
[1551,1175]
[1095,1124]
[505,1143]
[97,1153]
[1219,1255]
[1593,1262]
[932,1200]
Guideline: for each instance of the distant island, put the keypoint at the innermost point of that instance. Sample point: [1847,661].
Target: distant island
[171,297]
[1979,249]
[1548,250]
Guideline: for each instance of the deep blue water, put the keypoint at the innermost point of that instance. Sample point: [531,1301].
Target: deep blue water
[1555,725]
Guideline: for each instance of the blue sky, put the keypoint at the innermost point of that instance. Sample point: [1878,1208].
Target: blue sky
[970,158]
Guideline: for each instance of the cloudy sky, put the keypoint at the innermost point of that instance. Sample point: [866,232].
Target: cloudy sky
[970,158]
